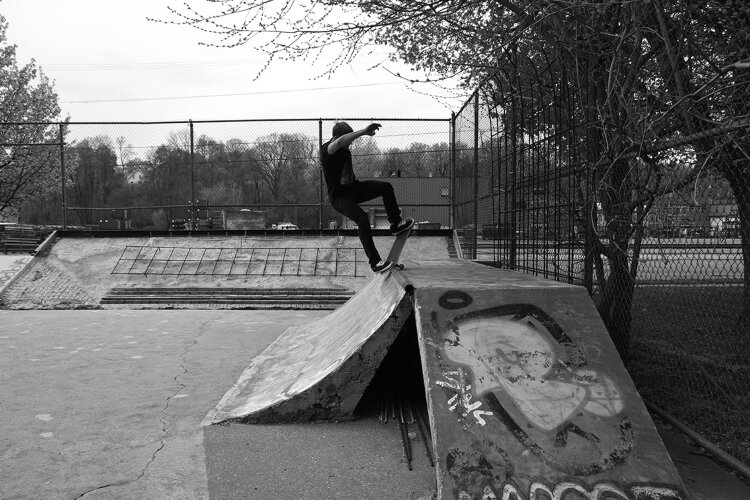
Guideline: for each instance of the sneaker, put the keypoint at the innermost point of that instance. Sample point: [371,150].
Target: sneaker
[382,266]
[402,226]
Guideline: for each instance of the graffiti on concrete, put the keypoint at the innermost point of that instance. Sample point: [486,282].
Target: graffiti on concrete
[514,363]
[477,471]
[462,400]
[9,270]
[600,491]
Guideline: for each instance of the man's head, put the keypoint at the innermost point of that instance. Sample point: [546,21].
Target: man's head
[340,129]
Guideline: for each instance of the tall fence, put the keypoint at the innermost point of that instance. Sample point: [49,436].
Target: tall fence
[531,194]
[518,172]
[251,174]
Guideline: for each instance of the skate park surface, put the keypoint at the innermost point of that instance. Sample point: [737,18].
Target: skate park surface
[109,404]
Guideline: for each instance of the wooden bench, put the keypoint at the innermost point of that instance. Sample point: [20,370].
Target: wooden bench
[19,239]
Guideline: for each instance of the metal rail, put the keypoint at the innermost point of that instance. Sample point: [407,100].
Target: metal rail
[291,261]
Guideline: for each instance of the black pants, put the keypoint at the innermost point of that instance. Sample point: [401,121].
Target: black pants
[346,200]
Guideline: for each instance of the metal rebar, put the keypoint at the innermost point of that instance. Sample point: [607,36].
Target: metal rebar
[410,411]
[405,432]
[404,436]
[425,423]
[385,408]
[151,260]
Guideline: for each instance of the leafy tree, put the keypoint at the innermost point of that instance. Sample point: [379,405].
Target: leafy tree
[166,177]
[210,160]
[93,175]
[240,170]
[647,72]
[128,162]
[29,151]
[440,159]
[395,163]
[223,193]
[367,157]
[417,159]
[284,162]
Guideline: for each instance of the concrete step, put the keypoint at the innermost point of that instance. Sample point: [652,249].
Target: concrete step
[318,298]
[214,300]
[234,291]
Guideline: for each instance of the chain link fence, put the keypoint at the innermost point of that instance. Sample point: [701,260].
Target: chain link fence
[520,172]
[253,174]
[654,232]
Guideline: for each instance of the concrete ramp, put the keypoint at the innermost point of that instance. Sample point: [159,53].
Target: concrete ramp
[320,370]
[527,396]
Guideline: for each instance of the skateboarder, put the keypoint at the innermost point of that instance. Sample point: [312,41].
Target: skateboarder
[345,192]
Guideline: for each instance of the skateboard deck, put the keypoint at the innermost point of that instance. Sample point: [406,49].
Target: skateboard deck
[397,248]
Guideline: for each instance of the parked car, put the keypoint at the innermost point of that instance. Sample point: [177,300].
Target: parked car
[179,224]
[496,232]
[285,226]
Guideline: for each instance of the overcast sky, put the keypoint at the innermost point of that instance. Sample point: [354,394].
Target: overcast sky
[109,63]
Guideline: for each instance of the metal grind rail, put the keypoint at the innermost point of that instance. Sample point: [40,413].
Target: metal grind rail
[253,261]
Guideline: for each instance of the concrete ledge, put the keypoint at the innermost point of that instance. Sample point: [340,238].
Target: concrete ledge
[16,276]
[47,243]
[44,246]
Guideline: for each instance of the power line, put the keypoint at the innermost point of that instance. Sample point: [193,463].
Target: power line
[148,65]
[262,92]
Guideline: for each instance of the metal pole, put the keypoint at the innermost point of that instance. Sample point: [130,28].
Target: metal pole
[192,179]
[589,232]
[700,440]
[62,177]
[320,176]
[452,198]
[476,173]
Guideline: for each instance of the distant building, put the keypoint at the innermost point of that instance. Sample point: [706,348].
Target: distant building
[243,219]
[709,214]
[424,199]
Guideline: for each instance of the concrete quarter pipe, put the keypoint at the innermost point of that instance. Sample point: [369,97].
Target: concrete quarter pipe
[527,396]
[319,371]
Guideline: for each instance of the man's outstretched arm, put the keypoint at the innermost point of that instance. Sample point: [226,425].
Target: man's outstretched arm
[346,139]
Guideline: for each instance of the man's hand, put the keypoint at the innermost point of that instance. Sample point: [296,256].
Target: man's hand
[372,128]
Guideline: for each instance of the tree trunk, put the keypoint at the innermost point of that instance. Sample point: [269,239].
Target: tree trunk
[737,173]
[617,297]
[615,302]
[742,195]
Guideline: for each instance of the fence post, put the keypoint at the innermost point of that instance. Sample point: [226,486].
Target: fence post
[589,232]
[320,175]
[476,173]
[192,178]
[452,214]
[62,177]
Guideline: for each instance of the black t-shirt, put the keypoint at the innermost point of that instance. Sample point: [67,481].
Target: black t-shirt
[337,168]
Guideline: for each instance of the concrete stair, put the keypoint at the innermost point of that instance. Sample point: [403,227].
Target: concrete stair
[282,298]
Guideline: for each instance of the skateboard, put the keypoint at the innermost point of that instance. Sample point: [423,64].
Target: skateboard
[397,247]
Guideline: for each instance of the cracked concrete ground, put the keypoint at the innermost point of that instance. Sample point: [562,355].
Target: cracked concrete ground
[108,404]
